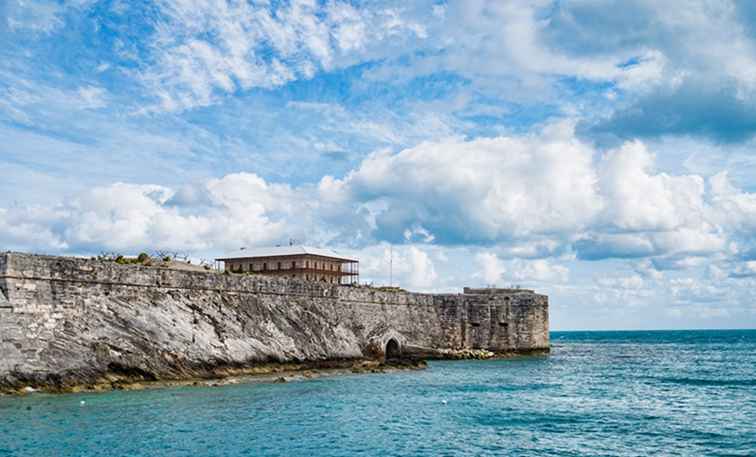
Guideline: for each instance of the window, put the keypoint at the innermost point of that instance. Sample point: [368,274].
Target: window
[265,266]
[307,264]
[279,266]
[293,265]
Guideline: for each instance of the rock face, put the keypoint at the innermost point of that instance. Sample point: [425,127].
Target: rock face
[68,322]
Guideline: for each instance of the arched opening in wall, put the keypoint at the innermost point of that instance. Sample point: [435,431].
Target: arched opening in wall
[393,351]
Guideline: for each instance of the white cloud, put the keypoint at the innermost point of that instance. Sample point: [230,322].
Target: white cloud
[496,271]
[22,99]
[422,271]
[539,270]
[623,282]
[534,196]
[480,190]
[92,97]
[31,229]
[744,270]
[203,50]
[531,199]
[733,208]
[241,210]
[39,16]
[420,233]
[503,49]
[646,269]
[405,265]
[492,268]
[245,210]
[638,199]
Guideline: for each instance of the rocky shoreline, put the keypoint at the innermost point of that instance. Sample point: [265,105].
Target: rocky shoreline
[261,373]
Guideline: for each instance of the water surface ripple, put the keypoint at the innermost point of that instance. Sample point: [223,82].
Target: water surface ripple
[686,393]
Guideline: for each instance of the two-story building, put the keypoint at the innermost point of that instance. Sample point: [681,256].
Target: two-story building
[302,262]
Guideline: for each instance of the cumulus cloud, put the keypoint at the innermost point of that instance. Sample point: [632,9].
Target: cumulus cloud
[536,196]
[514,209]
[640,200]
[495,270]
[734,208]
[241,210]
[541,192]
[480,190]
[649,213]
[531,203]
[407,265]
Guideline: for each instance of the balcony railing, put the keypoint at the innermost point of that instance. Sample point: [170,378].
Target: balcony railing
[355,272]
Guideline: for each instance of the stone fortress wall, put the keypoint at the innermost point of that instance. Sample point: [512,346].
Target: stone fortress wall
[72,322]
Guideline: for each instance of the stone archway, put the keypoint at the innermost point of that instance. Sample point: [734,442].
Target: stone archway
[393,350]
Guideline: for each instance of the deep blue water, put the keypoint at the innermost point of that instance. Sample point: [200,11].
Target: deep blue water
[598,394]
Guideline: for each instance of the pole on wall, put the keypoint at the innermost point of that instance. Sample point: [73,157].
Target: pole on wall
[391,265]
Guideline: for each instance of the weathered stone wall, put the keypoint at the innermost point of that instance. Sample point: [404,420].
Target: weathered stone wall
[68,321]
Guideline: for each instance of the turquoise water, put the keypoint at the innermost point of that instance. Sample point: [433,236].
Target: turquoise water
[599,393]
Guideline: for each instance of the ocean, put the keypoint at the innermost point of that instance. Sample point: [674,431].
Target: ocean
[663,393]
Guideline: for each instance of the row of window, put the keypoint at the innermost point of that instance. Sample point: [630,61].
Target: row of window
[316,265]
[332,280]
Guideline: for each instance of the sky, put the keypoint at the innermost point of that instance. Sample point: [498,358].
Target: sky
[602,152]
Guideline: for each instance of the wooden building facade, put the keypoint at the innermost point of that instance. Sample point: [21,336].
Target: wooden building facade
[299,262]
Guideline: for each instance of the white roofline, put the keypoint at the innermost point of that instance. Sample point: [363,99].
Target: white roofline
[282,251]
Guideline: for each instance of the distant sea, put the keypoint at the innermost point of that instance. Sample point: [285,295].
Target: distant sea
[660,393]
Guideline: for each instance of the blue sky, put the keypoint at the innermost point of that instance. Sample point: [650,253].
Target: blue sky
[601,152]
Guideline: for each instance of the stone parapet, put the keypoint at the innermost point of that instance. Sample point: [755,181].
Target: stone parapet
[69,321]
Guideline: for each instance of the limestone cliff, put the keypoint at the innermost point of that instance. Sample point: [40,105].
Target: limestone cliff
[69,322]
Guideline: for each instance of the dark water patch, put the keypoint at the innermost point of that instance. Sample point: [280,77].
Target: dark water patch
[471,389]
[707,382]
[530,421]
